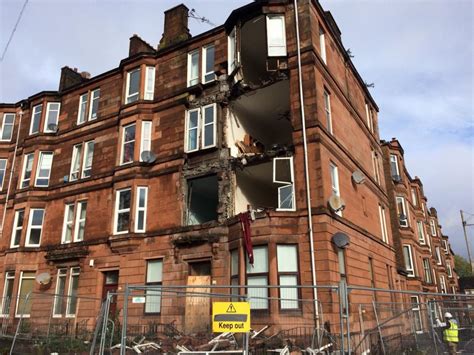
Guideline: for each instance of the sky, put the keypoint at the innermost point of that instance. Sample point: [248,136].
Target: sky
[418,53]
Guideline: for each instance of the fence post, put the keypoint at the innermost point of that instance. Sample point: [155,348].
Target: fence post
[104,324]
[348,322]
[433,333]
[123,342]
[247,335]
[341,298]
[378,327]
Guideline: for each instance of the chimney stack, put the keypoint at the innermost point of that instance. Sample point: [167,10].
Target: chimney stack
[176,26]
[71,77]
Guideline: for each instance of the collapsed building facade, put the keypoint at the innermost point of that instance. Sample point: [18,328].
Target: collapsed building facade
[146,174]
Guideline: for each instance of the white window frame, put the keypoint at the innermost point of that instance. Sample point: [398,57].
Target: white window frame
[39,168]
[375,164]
[449,269]
[117,211]
[3,172]
[62,273]
[433,227]
[73,271]
[66,223]
[128,94]
[289,295]
[383,223]
[334,173]
[442,284]
[191,81]
[76,156]
[445,246]
[38,109]
[439,261]
[17,228]
[78,220]
[405,213]
[82,109]
[322,44]
[9,275]
[197,128]
[204,64]
[87,147]
[278,48]
[17,315]
[327,110]
[421,232]
[411,270]
[262,303]
[30,227]
[232,61]
[23,170]
[153,294]
[203,125]
[2,130]
[139,209]
[416,308]
[149,79]
[93,98]
[145,140]
[122,144]
[286,184]
[48,111]
[394,159]
[427,270]
[414,197]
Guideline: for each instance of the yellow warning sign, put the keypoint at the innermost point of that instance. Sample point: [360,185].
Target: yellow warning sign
[231,317]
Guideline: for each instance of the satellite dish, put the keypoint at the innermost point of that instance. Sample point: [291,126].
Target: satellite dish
[336,203]
[402,217]
[44,278]
[148,156]
[396,178]
[358,177]
[53,127]
[340,239]
[66,178]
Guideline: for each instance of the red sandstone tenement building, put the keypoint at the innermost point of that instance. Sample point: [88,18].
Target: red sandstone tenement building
[142,174]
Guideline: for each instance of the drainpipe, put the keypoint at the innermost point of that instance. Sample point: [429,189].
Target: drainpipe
[306,170]
[11,173]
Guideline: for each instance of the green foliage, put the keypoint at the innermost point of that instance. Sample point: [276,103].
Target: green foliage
[463,269]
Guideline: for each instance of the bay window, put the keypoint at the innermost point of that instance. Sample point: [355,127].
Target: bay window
[287,260]
[149,83]
[433,227]
[35,227]
[81,162]
[17,228]
[394,170]
[123,200]
[327,110]
[208,54]
[283,174]
[26,286]
[257,275]
[6,130]
[94,107]
[140,209]
[200,128]
[44,169]
[72,292]
[128,144]
[27,170]
[145,142]
[36,119]
[52,116]
[421,232]
[132,93]
[276,36]
[409,260]
[7,293]
[193,68]
[402,211]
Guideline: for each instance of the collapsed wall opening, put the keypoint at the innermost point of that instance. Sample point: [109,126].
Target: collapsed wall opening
[202,200]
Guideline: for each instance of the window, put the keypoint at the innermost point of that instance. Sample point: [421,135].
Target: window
[402,212]
[44,169]
[81,165]
[149,83]
[128,144]
[423,209]
[287,257]
[141,202]
[416,313]
[7,292]
[81,112]
[234,272]
[335,183]
[322,44]
[208,53]
[17,228]
[60,292]
[35,227]
[145,143]
[433,227]
[408,256]
[26,286]
[370,121]
[72,292]
[421,232]
[154,276]
[6,131]
[442,284]
[231,51]
[3,170]
[327,110]
[201,128]
[394,167]
[133,86]
[94,108]
[276,36]
[438,256]
[375,165]
[283,174]
[427,270]
[27,169]
[449,269]
[445,246]
[122,211]
[52,116]
[74,222]
[193,68]
[413,196]
[36,119]
[383,223]
[258,276]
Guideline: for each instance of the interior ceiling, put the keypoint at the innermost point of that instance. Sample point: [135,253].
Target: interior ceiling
[263,113]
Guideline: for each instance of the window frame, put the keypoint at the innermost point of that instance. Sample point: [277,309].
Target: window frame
[442,284]
[322,44]
[421,232]
[92,99]
[232,56]
[335,186]
[445,246]
[143,138]
[406,224]
[285,184]
[128,94]
[87,148]
[204,64]
[22,278]
[383,223]
[132,142]
[416,308]
[411,271]
[82,109]
[139,209]
[295,274]
[433,227]
[255,275]
[161,260]
[394,163]
[276,50]
[204,124]
[150,74]
[73,271]
[414,197]
[2,130]
[449,270]
[427,271]
[46,117]
[3,172]
[327,110]
[23,170]
[376,167]
[66,222]
[30,227]
[439,261]
[62,273]
[197,128]
[9,277]
[117,211]
[17,228]
[39,168]
[78,208]
[36,113]
[191,81]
